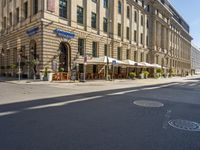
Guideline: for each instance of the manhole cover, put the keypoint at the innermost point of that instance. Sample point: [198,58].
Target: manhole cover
[185,125]
[146,103]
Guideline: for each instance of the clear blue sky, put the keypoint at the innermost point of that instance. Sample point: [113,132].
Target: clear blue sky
[190,11]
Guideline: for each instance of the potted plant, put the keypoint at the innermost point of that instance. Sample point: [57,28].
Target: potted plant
[41,75]
[50,75]
[170,72]
[146,74]
[158,72]
[13,67]
[61,69]
[33,66]
[45,74]
[132,75]
[141,75]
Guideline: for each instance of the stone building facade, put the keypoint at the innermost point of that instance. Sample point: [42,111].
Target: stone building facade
[43,30]
[195,59]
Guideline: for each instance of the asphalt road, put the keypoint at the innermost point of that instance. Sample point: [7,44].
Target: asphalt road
[106,120]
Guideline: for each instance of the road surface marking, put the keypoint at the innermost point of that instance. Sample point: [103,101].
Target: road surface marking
[8,113]
[62,103]
[140,89]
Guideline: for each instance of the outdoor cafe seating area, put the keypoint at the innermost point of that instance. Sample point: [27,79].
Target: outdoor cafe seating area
[117,69]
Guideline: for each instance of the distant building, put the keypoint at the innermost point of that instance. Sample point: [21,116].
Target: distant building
[141,30]
[195,59]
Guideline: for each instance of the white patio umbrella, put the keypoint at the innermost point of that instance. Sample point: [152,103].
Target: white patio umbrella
[145,64]
[156,66]
[100,60]
[129,62]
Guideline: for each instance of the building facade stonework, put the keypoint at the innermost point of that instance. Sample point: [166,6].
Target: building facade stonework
[141,30]
[195,59]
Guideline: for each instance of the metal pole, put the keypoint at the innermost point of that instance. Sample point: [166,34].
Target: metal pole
[108,46]
[84,67]
[107,64]
[29,65]
[19,61]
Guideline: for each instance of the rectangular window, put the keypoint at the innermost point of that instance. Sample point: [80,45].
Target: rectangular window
[94,20]
[128,54]
[135,55]
[105,24]
[142,20]
[141,57]
[127,33]
[119,7]
[135,36]
[105,50]
[10,19]
[147,58]
[119,53]
[105,3]
[81,68]
[4,22]
[141,38]
[142,3]
[94,49]
[135,16]
[63,8]
[128,12]
[17,13]
[147,40]
[119,30]
[81,46]
[148,8]
[79,15]
[147,23]
[35,7]
[25,10]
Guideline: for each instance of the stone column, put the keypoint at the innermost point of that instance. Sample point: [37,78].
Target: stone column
[138,27]
[144,30]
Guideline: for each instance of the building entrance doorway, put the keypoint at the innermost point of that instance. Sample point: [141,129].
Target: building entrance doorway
[64,57]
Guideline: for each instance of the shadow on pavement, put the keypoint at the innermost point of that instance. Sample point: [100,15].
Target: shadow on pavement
[105,123]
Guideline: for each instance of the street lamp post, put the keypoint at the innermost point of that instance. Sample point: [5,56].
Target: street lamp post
[19,62]
[84,66]
[108,46]
[2,54]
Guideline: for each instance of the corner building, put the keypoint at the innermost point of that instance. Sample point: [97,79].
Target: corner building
[141,30]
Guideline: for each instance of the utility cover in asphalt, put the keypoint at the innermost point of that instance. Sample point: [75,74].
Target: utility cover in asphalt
[147,103]
[185,125]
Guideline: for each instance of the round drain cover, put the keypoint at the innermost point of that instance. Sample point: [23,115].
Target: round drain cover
[185,125]
[146,103]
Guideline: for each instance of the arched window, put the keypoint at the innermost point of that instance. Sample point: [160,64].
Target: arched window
[33,49]
[119,7]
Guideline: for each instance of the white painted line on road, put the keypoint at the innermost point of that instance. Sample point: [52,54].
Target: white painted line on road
[121,93]
[141,89]
[62,103]
[8,113]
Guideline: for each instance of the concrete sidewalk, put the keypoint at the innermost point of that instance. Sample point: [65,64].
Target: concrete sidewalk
[94,82]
